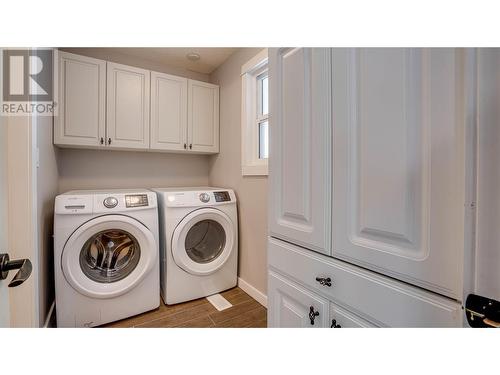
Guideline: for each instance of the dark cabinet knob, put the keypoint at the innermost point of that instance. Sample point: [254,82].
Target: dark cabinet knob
[335,325]
[325,281]
[185,146]
[109,141]
[312,314]
[102,140]
[23,265]
[190,146]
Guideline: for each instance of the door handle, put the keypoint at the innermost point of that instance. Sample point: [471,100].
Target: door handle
[23,265]
[312,314]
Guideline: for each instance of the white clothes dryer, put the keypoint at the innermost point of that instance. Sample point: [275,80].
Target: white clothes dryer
[198,242]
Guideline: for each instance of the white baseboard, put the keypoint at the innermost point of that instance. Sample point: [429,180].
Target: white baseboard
[253,292]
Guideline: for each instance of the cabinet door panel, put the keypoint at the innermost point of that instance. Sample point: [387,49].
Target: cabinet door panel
[128,106]
[290,304]
[168,112]
[398,162]
[203,117]
[345,319]
[300,135]
[82,100]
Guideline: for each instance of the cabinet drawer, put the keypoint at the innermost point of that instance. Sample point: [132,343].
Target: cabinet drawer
[345,319]
[379,299]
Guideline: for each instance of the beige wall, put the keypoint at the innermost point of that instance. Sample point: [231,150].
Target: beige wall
[47,188]
[225,171]
[94,169]
[109,54]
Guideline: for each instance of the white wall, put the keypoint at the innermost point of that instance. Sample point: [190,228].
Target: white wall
[4,291]
[225,171]
[46,188]
[488,175]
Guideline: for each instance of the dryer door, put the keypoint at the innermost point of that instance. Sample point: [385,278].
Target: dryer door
[108,256]
[203,241]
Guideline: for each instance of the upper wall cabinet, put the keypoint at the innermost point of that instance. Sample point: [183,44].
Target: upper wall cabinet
[203,117]
[399,163]
[301,143]
[127,106]
[108,105]
[82,101]
[168,112]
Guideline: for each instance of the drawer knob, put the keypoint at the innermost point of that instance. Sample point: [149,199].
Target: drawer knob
[335,325]
[325,281]
[312,314]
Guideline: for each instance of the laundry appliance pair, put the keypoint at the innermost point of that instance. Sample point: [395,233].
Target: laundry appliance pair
[116,251]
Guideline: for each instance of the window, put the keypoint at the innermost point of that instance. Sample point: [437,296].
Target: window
[255,116]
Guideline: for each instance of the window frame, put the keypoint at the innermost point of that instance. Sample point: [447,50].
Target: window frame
[251,164]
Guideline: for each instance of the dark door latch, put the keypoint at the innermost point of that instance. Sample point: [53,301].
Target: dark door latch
[23,265]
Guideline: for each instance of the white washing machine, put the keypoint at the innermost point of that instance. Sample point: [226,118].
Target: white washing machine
[105,255]
[198,242]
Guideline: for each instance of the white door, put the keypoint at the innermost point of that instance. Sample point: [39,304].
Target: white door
[398,163]
[301,142]
[292,306]
[127,106]
[82,101]
[168,112]
[203,117]
[4,292]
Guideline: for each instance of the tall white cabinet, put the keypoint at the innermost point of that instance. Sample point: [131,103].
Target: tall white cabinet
[399,164]
[301,139]
[367,172]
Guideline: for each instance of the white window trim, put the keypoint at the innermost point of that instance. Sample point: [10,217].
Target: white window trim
[251,165]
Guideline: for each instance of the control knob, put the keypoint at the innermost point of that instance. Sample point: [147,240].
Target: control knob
[204,197]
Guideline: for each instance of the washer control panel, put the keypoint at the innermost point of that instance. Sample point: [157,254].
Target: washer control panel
[110,202]
[222,196]
[204,197]
[136,200]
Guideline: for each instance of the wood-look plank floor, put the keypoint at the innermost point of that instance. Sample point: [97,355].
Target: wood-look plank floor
[245,312]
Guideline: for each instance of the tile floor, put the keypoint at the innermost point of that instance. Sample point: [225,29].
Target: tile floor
[245,312]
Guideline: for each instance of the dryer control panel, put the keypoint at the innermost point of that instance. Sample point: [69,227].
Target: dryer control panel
[222,196]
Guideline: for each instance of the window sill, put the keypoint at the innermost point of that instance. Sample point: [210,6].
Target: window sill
[254,170]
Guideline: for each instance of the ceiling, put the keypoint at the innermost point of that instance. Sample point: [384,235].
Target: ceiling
[210,58]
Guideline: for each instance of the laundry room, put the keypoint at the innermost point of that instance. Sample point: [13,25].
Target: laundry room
[73,157]
[169,196]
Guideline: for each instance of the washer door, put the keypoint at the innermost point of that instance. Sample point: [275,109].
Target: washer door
[203,241]
[108,256]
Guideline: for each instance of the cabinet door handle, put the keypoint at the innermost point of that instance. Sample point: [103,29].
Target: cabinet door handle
[190,146]
[102,140]
[335,325]
[312,314]
[185,146]
[325,281]
[109,141]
